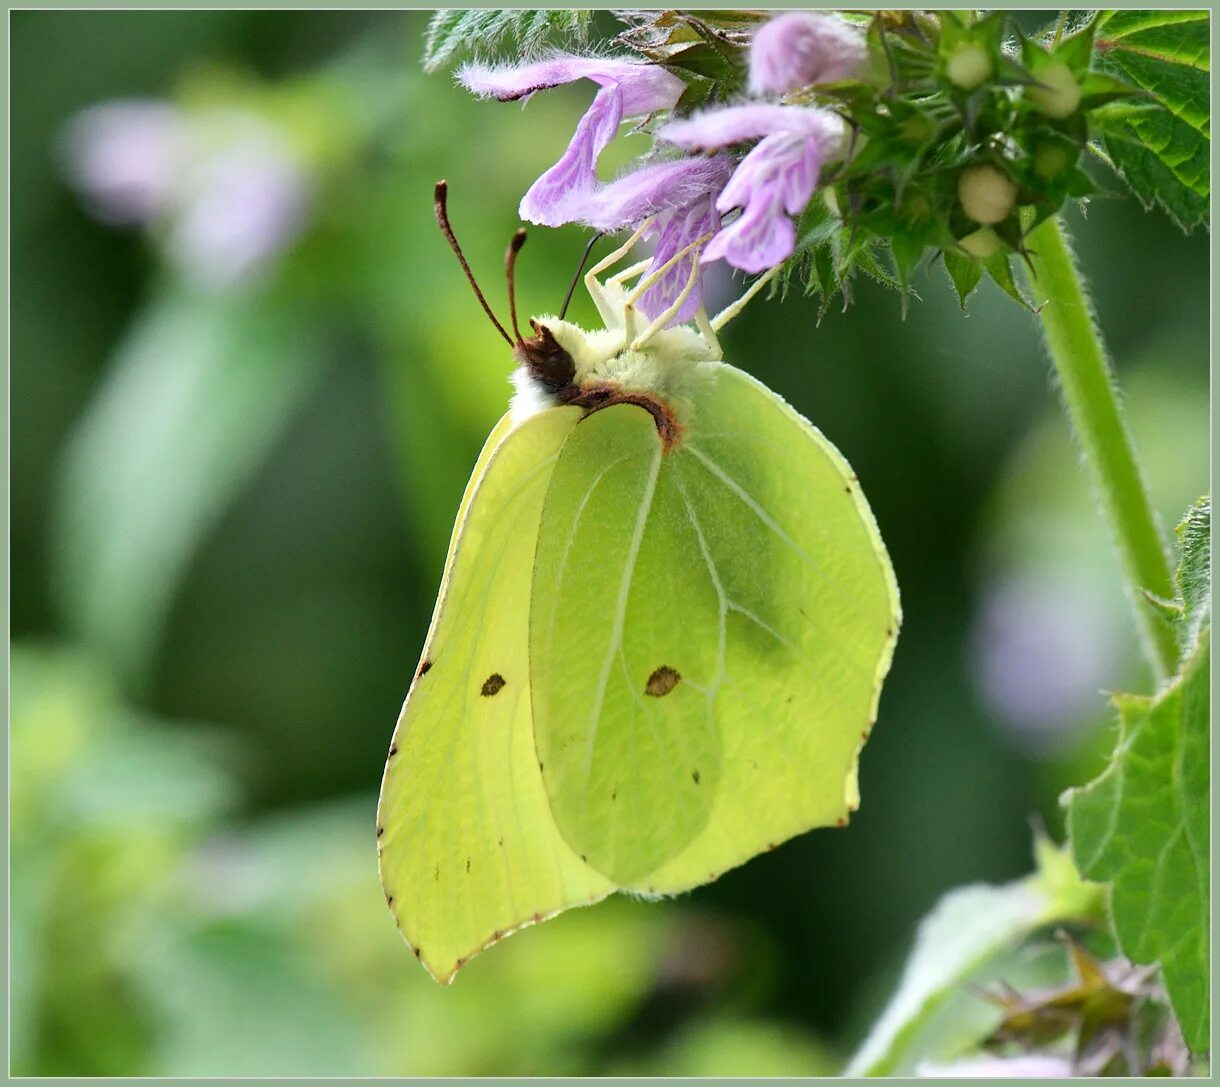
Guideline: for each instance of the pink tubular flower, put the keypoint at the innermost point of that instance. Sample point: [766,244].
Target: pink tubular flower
[629,88]
[803,48]
[772,183]
[679,197]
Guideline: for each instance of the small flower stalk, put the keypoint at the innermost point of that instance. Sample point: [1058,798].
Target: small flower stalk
[929,134]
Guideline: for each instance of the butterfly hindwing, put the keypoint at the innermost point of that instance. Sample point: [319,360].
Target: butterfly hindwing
[623,644]
[715,622]
[468,846]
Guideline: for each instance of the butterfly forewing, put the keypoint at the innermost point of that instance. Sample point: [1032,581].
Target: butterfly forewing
[469,848]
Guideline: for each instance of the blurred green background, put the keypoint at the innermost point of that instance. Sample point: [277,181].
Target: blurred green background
[248,383]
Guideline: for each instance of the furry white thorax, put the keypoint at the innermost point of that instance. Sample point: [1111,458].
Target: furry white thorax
[670,365]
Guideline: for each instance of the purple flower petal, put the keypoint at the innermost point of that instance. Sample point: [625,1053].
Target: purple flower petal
[675,231]
[715,128]
[654,189]
[645,87]
[758,239]
[775,180]
[803,48]
[629,88]
[562,194]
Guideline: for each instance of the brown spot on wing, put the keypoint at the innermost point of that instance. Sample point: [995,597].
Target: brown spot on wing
[662,681]
[423,669]
[493,685]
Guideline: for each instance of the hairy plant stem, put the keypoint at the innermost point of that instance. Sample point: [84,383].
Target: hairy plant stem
[1089,393]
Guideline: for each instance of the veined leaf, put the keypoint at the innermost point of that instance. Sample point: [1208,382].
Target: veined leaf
[454,33]
[1144,823]
[1164,154]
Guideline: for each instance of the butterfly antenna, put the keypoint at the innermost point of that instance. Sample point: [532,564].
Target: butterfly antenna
[567,298]
[439,204]
[510,271]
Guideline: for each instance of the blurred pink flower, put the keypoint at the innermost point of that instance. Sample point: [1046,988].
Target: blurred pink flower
[126,158]
[1042,652]
[245,205]
[224,188]
[803,48]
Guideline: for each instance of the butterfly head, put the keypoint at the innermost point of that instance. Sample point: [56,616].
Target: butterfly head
[561,364]
[545,359]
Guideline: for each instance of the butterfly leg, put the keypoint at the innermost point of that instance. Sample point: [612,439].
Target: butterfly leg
[593,284]
[734,308]
[663,319]
[619,279]
[715,351]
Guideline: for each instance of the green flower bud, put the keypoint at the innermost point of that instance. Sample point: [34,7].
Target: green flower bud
[983,244]
[987,193]
[969,67]
[1050,160]
[1057,94]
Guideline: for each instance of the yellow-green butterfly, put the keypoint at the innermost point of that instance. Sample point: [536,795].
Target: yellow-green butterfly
[664,622]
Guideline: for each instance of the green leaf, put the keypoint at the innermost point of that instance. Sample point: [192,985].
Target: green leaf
[964,272]
[1194,577]
[968,936]
[1164,154]
[192,401]
[1143,826]
[457,33]
[999,269]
